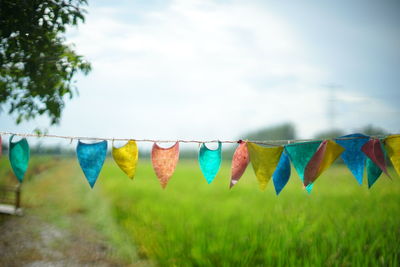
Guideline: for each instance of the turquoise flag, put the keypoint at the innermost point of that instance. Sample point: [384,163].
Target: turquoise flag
[91,159]
[353,157]
[210,161]
[19,157]
[373,172]
[300,154]
[282,173]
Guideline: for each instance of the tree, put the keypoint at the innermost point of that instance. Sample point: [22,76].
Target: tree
[37,67]
[285,131]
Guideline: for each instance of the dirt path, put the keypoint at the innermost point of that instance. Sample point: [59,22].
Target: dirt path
[35,240]
[30,241]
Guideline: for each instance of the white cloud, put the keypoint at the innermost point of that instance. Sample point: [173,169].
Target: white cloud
[194,69]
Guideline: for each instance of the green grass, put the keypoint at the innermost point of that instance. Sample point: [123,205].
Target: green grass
[191,223]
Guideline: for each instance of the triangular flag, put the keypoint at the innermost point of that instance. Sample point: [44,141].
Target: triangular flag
[392,145]
[19,153]
[300,154]
[210,161]
[240,160]
[373,172]
[282,173]
[91,159]
[327,153]
[353,157]
[264,161]
[126,157]
[373,149]
[164,162]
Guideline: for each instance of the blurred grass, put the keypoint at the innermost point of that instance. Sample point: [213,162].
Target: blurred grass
[191,223]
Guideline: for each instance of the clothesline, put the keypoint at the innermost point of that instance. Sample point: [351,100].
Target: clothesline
[265,142]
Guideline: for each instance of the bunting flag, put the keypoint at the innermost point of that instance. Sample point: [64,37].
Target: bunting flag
[210,161]
[126,157]
[310,158]
[373,172]
[282,173]
[264,161]
[327,152]
[353,157]
[91,159]
[300,154]
[19,154]
[164,162]
[373,149]
[392,145]
[240,160]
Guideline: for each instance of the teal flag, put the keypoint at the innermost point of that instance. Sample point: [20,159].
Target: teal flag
[19,157]
[282,173]
[91,158]
[300,154]
[373,172]
[210,161]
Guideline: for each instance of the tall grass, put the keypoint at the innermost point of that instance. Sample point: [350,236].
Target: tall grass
[195,224]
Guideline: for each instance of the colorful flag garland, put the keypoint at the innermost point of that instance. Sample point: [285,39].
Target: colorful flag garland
[310,159]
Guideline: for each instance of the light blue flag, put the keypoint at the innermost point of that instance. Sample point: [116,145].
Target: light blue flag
[353,157]
[19,157]
[210,161]
[300,154]
[91,158]
[373,172]
[282,173]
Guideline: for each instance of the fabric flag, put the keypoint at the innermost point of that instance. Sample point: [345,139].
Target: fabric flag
[373,149]
[373,172]
[164,162]
[392,145]
[210,161]
[353,157]
[126,157]
[328,151]
[264,161]
[240,161]
[91,159]
[300,154]
[282,173]
[19,153]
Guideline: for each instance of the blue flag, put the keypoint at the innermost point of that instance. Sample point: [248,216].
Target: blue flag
[91,158]
[353,157]
[282,173]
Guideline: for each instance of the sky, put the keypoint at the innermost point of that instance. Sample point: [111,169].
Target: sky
[206,69]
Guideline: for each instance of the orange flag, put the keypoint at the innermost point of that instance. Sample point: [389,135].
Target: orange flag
[164,162]
[240,161]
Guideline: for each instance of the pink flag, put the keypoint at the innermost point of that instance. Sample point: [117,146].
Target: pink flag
[312,167]
[164,162]
[240,161]
[374,151]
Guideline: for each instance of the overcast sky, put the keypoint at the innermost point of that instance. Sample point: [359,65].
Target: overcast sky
[218,69]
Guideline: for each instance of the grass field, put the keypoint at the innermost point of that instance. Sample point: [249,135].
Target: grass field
[191,223]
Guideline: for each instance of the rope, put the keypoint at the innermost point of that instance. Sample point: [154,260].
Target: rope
[266,142]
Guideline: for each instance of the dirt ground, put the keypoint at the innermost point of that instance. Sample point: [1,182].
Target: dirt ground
[29,241]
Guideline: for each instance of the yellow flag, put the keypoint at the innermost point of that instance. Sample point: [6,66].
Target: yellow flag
[264,161]
[392,145]
[126,157]
[332,152]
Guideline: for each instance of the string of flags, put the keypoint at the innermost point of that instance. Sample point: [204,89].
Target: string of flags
[309,158]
